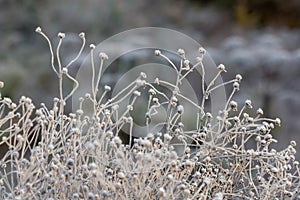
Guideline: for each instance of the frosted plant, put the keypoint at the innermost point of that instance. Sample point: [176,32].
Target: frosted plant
[53,154]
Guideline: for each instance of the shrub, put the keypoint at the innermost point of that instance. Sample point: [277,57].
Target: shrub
[53,154]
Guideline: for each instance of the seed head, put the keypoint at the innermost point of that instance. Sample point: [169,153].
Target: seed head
[103,56]
[260,111]
[187,64]
[157,52]
[82,35]
[155,101]
[92,46]
[107,88]
[221,67]
[233,105]
[238,77]
[209,115]
[117,141]
[61,35]
[219,196]
[248,103]
[137,93]
[167,137]
[181,52]
[277,122]
[65,70]
[151,91]
[121,176]
[293,143]
[236,85]
[180,109]
[202,51]
[161,192]
[38,29]
[7,101]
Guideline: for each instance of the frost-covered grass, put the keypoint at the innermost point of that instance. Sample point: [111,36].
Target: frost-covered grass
[55,154]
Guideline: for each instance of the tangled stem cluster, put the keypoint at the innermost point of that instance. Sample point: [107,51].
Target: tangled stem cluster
[53,154]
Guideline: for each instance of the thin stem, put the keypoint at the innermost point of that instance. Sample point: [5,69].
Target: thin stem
[51,51]
[60,69]
[93,74]
[188,72]
[99,76]
[171,63]
[221,85]
[79,53]
[213,81]
[74,89]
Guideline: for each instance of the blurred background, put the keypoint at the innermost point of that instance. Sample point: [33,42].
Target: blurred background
[259,39]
